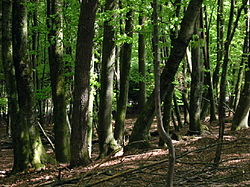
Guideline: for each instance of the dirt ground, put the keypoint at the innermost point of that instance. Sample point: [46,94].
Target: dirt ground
[147,167]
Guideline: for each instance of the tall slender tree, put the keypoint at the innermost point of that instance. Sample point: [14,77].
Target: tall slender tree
[196,83]
[143,123]
[91,107]
[167,112]
[55,36]
[240,119]
[7,61]
[34,45]
[166,138]
[9,72]
[124,79]
[232,25]
[81,94]
[220,41]
[107,142]
[209,93]
[141,62]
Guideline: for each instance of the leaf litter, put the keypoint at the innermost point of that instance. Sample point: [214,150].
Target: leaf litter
[146,167]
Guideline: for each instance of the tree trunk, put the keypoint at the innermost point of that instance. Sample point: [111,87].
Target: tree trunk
[141,63]
[208,77]
[168,100]
[240,119]
[184,94]
[167,110]
[81,94]
[29,149]
[143,123]
[238,82]
[221,109]
[177,112]
[170,96]
[9,74]
[242,64]
[42,101]
[34,45]
[196,85]
[124,81]
[222,99]
[55,36]
[166,138]
[107,143]
[91,108]
[220,40]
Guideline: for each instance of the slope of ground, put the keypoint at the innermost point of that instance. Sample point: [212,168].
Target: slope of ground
[147,167]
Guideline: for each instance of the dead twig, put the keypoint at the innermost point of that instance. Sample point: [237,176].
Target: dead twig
[47,137]
[125,172]
[120,174]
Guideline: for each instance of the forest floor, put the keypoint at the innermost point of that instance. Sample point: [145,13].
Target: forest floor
[147,167]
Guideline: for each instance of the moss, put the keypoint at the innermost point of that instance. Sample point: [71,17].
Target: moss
[204,128]
[48,159]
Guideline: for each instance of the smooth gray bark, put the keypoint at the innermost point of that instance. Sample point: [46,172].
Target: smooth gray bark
[124,80]
[107,142]
[196,84]
[56,62]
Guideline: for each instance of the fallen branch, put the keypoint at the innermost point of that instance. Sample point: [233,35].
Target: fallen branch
[149,165]
[47,137]
[78,179]
[125,172]
[222,179]
[195,163]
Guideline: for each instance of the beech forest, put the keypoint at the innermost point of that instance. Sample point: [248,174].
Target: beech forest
[126,93]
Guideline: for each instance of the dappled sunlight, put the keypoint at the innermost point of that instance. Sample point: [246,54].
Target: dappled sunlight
[229,138]
[41,178]
[129,160]
[234,159]
[194,164]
